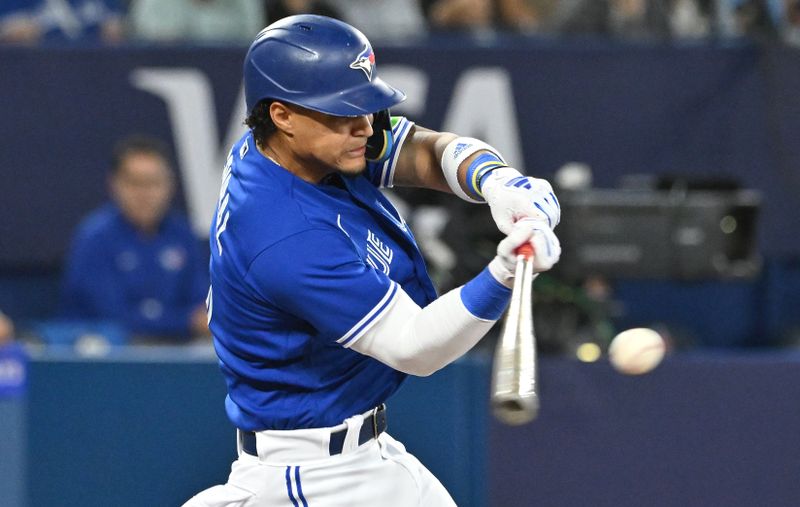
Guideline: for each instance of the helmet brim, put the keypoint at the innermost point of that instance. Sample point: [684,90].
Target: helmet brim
[371,97]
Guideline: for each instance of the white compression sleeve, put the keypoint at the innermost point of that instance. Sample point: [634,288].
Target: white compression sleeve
[420,341]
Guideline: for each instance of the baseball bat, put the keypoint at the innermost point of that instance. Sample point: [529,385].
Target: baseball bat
[514,397]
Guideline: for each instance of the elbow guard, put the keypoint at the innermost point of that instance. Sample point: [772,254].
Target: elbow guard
[380,143]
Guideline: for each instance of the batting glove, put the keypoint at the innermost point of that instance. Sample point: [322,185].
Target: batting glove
[546,249]
[512,196]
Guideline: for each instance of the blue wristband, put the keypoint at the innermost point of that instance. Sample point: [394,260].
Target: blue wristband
[480,167]
[485,297]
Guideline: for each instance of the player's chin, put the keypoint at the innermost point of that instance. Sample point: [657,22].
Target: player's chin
[353,166]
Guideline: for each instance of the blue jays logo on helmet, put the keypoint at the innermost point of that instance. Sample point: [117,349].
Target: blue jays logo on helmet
[311,61]
[365,61]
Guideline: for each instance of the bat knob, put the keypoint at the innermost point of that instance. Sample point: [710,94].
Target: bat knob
[516,410]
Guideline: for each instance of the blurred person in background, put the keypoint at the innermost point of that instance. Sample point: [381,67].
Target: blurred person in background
[749,18]
[459,15]
[524,16]
[18,24]
[210,21]
[33,21]
[691,18]
[13,375]
[790,28]
[487,15]
[755,18]
[277,9]
[381,20]
[135,261]
[623,19]
[6,329]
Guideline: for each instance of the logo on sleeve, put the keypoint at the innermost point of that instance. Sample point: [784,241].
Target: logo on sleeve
[365,61]
[379,256]
[459,148]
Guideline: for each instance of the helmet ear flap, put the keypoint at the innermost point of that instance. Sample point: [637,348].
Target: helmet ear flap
[380,143]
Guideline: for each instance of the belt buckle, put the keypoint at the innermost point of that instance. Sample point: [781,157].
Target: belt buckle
[375,421]
[379,408]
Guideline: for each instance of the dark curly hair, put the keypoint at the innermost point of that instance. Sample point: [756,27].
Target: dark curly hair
[260,122]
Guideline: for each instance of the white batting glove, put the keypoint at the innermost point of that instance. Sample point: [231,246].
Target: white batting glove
[512,196]
[546,249]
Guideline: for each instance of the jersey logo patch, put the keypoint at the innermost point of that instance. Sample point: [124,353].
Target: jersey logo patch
[365,61]
[172,258]
[379,256]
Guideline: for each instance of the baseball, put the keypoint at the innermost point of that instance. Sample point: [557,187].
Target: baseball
[636,351]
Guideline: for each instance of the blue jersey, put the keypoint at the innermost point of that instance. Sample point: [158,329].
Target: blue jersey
[149,285]
[299,271]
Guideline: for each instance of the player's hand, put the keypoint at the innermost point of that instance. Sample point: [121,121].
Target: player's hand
[512,197]
[546,248]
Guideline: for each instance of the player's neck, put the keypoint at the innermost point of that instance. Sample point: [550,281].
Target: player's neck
[289,162]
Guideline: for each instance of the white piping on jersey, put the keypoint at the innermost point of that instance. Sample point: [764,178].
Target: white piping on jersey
[339,223]
[373,316]
[401,132]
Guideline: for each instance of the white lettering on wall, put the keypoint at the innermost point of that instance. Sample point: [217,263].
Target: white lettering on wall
[483,107]
[413,82]
[190,105]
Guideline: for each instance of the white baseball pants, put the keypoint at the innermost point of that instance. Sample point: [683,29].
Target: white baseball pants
[291,471]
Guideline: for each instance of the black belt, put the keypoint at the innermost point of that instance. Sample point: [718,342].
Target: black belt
[374,425]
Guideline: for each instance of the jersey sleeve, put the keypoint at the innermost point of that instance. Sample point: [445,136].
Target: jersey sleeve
[319,277]
[381,174]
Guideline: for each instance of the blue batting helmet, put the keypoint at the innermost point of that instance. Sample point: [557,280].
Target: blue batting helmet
[318,63]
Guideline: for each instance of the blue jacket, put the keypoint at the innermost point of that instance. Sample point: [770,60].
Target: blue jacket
[149,285]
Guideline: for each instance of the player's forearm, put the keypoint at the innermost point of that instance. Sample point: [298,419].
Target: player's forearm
[420,341]
[446,162]
[419,164]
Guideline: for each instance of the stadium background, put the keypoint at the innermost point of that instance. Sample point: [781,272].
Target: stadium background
[715,425]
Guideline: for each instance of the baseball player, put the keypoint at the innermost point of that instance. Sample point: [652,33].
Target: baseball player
[320,303]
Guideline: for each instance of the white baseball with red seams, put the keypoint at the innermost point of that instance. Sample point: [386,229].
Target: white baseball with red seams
[636,351]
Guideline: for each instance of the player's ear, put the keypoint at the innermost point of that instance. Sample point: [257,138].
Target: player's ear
[281,116]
